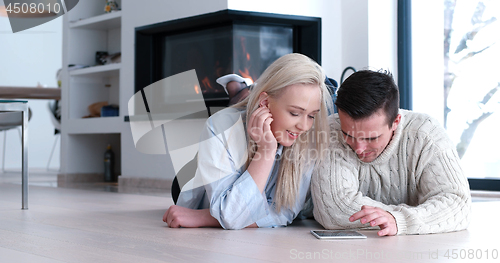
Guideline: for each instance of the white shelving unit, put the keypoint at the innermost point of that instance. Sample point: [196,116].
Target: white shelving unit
[98,71]
[100,22]
[95,125]
[88,29]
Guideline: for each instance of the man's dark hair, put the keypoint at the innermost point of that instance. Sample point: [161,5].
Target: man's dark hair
[365,92]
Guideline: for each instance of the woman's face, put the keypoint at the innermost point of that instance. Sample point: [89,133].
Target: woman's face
[293,111]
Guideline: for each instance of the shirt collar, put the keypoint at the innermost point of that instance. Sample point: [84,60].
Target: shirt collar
[279,151]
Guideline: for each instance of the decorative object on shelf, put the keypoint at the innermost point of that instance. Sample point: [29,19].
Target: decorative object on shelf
[103,58]
[99,57]
[109,111]
[109,164]
[111,6]
[95,109]
[72,67]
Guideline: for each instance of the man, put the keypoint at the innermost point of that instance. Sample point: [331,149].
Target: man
[389,168]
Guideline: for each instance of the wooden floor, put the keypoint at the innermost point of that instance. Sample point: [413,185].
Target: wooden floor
[81,225]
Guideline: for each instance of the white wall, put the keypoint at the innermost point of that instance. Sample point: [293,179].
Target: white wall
[369,35]
[27,58]
[354,34]
[137,14]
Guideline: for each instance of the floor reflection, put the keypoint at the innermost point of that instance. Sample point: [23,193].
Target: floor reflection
[49,179]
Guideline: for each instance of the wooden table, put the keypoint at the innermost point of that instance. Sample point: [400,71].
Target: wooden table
[30,93]
[10,92]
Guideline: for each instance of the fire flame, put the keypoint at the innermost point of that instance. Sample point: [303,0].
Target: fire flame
[206,82]
[197,89]
[245,74]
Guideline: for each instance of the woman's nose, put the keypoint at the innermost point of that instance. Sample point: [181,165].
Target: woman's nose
[304,124]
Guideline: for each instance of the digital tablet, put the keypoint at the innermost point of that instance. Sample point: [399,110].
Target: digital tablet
[337,234]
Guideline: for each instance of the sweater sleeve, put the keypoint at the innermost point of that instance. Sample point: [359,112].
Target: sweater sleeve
[335,191]
[443,196]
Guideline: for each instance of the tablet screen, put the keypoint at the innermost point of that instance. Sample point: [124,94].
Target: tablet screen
[337,234]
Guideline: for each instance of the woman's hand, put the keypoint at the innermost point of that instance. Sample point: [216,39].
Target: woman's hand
[259,129]
[178,216]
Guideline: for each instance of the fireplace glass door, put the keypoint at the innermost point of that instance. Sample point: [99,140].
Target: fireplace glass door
[242,49]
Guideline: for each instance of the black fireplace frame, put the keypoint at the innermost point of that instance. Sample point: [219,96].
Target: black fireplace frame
[306,38]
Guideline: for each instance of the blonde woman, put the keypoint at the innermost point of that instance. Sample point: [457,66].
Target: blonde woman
[255,158]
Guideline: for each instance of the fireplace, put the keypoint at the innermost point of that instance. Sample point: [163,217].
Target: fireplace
[221,43]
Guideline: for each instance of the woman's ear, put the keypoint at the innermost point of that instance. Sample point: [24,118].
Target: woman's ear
[263,99]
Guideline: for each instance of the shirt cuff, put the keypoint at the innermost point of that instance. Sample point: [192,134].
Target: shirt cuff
[400,222]
[256,202]
[266,222]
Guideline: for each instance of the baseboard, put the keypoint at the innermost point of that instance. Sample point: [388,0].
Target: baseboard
[136,182]
[63,179]
[123,182]
[485,194]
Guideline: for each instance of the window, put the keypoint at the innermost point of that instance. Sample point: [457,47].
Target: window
[469,105]
[471,82]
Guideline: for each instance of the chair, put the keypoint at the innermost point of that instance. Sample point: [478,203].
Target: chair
[53,107]
[8,121]
[6,107]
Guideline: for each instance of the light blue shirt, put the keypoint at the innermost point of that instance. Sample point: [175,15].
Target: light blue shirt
[222,184]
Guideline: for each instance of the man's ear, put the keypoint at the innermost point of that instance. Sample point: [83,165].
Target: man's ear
[396,122]
[263,99]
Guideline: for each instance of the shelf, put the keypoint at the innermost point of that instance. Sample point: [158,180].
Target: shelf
[98,71]
[101,22]
[87,30]
[100,125]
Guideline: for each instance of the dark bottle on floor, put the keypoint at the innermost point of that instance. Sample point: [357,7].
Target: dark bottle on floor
[109,164]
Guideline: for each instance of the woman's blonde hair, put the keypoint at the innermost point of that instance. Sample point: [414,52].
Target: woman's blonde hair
[309,147]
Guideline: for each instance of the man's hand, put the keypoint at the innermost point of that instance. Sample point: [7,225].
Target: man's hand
[178,216]
[377,217]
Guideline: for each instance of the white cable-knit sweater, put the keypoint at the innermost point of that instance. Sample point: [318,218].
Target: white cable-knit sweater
[417,178]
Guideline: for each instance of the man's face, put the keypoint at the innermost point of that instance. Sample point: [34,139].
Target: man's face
[368,137]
